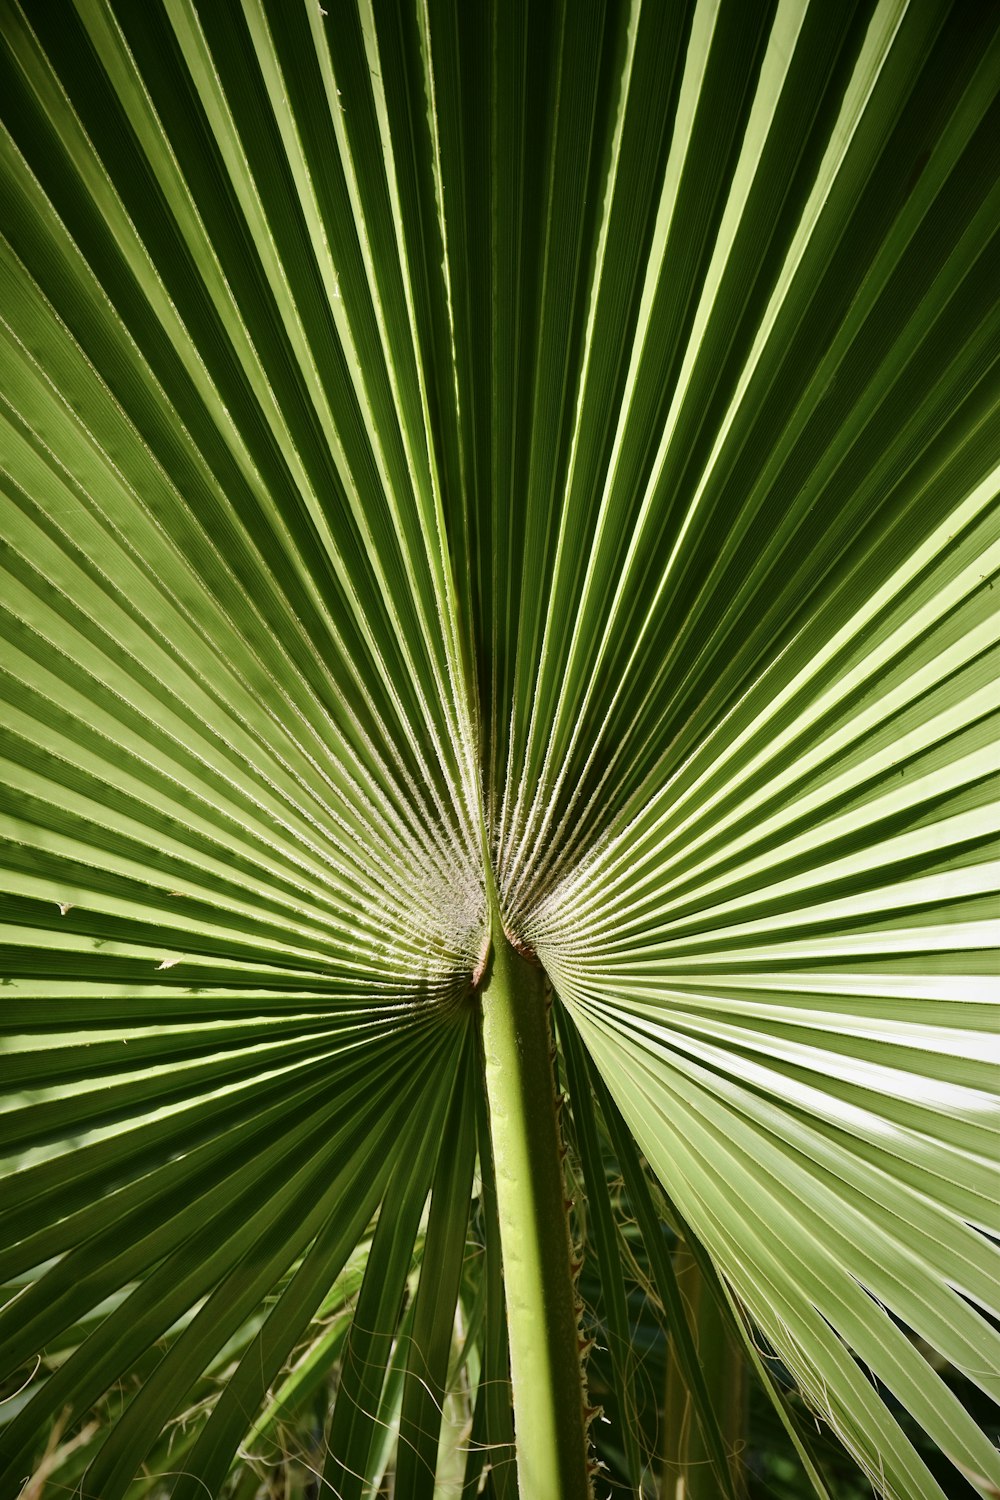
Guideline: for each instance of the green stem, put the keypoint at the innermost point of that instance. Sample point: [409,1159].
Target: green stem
[549,1417]
[688,1470]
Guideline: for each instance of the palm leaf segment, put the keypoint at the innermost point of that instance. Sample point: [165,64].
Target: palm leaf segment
[560,436]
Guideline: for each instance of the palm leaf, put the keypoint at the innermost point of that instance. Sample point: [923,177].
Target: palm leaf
[533,459]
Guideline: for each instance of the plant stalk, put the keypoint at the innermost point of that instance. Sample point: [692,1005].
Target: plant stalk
[688,1471]
[550,1422]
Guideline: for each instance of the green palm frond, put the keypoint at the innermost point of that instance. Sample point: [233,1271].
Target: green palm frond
[480,474]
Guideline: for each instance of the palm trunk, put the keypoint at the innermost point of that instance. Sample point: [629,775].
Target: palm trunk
[549,1399]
